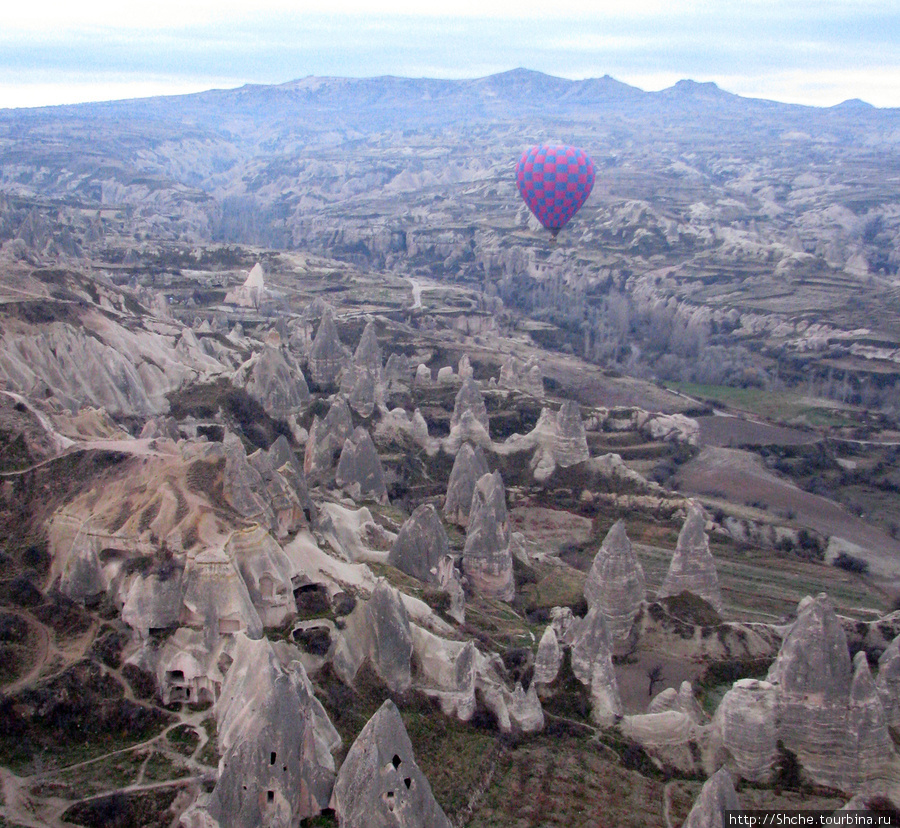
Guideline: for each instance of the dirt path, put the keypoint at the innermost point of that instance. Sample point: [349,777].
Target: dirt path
[466,814]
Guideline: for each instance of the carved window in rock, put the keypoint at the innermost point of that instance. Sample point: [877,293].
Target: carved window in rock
[267,587]
[229,626]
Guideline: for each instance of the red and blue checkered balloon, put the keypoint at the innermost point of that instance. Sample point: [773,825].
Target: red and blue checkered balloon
[554,181]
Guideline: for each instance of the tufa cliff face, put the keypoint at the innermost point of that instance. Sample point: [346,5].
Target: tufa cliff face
[326,439]
[380,784]
[716,796]
[615,583]
[363,379]
[592,666]
[326,354]
[693,568]
[276,381]
[359,470]
[276,742]
[421,545]
[827,710]
[487,560]
[469,467]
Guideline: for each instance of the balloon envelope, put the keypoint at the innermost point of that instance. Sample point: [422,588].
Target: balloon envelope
[554,180]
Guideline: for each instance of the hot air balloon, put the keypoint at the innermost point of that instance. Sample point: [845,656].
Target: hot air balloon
[554,180]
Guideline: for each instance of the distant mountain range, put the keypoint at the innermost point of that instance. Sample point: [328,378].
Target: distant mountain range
[315,104]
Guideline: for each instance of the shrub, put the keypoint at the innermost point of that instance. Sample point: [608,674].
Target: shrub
[850,563]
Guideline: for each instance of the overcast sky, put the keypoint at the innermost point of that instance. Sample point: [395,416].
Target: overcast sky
[818,52]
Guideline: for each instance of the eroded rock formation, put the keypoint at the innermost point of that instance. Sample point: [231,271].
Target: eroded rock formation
[326,438]
[363,379]
[275,740]
[469,467]
[487,561]
[276,381]
[377,630]
[359,469]
[615,583]
[421,545]
[693,568]
[469,421]
[592,666]
[380,785]
[326,354]
[716,796]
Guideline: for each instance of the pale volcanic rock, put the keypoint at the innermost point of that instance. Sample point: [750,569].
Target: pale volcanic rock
[524,709]
[354,534]
[153,601]
[368,351]
[682,700]
[446,671]
[243,484]
[359,469]
[378,630]
[670,737]
[465,369]
[867,725]
[747,730]
[275,740]
[672,428]
[887,682]
[396,425]
[283,459]
[273,379]
[517,376]
[216,599]
[813,674]
[364,391]
[814,658]
[79,370]
[544,437]
[421,545]
[267,573]
[252,293]
[469,398]
[571,441]
[548,659]
[469,420]
[487,561]
[363,380]
[82,578]
[281,499]
[326,354]
[469,467]
[592,666]
[391,651]
[558,439]
[615,583]
[693,568]
[326,438]
[380,785]
[397,374]
[516,710]
[423,376]
[445,375]
[161,428]
[187,667]
[606,704]
[716,796]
